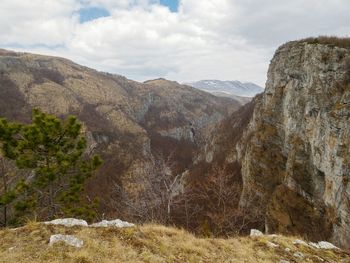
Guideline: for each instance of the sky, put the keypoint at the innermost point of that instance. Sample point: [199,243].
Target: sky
[182,40]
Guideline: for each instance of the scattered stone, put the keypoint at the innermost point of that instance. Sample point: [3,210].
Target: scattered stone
[326,245]
[323,245]
[255,233]
[68,239]
[273,235]
[298,255]
[68,222]
[284,261]
[271,244]
[287,249]
[12,248]
[299,242]
[113,223]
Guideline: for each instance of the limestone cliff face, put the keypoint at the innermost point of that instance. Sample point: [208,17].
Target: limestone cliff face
[295,153]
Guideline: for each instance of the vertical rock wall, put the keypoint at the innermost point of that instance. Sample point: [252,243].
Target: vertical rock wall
[295,153]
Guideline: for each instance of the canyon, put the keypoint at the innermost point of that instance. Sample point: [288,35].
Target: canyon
[286,153]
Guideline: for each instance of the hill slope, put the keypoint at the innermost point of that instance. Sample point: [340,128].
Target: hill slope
[134,126]
[152,243]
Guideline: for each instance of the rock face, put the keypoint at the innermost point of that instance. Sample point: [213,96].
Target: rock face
[295,154]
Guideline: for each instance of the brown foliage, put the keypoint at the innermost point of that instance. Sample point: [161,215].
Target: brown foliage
[41,74]
[215,203]
[328,40]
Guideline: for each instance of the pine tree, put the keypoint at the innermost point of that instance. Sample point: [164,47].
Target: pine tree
[53,150]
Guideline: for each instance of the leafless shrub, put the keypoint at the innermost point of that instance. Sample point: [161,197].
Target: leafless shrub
[50,74]
[328,40]
[153,200]
[216,204]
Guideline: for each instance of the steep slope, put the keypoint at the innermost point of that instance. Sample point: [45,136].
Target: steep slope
[295,155]
[130,124]
[234,89]
[152,243]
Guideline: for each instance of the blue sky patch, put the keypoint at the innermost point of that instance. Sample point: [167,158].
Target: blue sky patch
[172,4]
[92,13]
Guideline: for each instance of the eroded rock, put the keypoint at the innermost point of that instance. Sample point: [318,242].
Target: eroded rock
[113,223]
[255,233]
[67,239]
[68,222]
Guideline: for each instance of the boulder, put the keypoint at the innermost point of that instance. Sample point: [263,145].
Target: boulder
[68,222]
[255,233]
[113,223]
[67,239]
[325,245]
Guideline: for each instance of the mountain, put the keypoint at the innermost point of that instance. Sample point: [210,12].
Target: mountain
[234,89]
[133,126]
[289,147]
[177,155]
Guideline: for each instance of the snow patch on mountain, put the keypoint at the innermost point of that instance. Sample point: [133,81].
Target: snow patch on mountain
[236,88]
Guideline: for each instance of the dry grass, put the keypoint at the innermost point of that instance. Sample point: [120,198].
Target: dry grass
[150,243]
[328,40]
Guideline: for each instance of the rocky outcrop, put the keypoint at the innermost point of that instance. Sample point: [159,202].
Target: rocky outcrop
[295,154]
[67,239]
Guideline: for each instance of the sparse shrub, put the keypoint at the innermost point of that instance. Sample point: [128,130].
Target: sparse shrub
[328,40]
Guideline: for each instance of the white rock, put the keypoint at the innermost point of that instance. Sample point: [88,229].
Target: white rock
[271,244]
[69,240]
[299,242]
[315,245]
[323,245]
[284,261]
[326,245]
[68,222]
[113,223]
[298,255]
[287,249]
[255,233]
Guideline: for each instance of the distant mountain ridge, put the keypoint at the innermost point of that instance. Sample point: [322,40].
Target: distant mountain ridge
[227,88]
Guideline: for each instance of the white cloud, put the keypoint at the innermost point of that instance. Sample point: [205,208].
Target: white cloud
[223,39]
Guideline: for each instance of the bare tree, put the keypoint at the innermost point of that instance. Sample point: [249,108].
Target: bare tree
[155,192]
[218,197]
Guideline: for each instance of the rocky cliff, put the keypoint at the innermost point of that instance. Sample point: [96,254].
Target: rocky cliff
[131,124]
[295,154]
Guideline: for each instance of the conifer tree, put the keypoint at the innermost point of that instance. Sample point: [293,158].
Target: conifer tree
[53,150]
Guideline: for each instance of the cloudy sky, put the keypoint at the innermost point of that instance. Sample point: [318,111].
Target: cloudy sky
[182,40]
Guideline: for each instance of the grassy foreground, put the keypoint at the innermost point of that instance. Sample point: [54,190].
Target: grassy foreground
[150,243]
